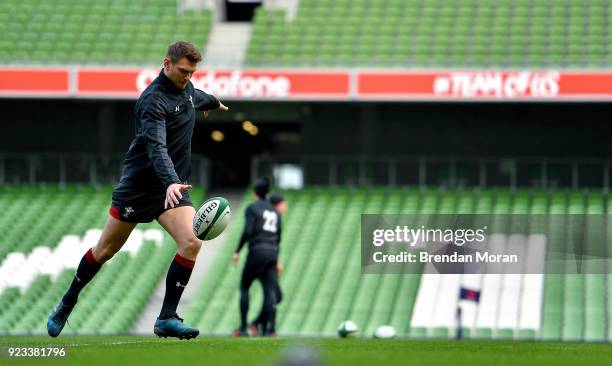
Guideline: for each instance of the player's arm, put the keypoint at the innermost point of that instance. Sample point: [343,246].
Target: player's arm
[279,230]
[247,232]
[205,102]
[153,122]
[279,267]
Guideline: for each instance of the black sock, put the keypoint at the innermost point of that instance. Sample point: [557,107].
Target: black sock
[271,290]
[88,267]
[271,323]
[176,280]
[244,307]
[260,318]
[269,311]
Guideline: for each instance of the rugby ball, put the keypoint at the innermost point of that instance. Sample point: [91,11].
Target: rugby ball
[212,218]
[385,332]
[347,328]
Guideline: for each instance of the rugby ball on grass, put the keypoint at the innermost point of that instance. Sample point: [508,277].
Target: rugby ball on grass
[385,332]
[212,218]
[347,328]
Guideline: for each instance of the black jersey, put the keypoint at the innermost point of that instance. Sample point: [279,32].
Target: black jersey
[160,153]
[262,228]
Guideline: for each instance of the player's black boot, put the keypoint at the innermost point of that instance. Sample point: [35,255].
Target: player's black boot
[174,327]
[58,318]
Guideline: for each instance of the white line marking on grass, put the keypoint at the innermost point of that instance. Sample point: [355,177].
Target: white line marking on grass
[108,343]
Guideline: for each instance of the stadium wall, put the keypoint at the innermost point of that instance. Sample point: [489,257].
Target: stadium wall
[298,130]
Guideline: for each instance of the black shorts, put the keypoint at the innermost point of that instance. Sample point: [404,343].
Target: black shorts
[261,265]
[141,207]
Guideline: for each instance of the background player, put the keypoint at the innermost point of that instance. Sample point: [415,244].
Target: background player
[258,325]
[262,230]
[154,185]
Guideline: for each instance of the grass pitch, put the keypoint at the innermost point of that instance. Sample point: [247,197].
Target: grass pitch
[152,351]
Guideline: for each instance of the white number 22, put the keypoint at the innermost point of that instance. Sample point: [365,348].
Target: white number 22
[270,218]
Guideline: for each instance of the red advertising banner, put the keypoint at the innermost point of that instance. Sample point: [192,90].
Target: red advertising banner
[17,82]
[120,83]
[485,85]
[232,84]
[593,84]
[548,85]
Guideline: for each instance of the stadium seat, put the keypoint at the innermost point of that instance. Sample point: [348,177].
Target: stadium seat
[323,284]
[406,34]
[37,266]
[88,31]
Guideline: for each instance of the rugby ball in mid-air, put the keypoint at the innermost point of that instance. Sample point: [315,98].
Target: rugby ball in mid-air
[385,332]
[212,218]
[347,328]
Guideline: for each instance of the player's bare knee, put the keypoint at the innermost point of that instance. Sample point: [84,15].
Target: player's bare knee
[104,251]
[193,245]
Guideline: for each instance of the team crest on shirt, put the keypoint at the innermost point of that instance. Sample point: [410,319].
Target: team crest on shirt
[128,210]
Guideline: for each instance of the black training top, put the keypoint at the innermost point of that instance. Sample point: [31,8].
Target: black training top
[160,153]
[262,228]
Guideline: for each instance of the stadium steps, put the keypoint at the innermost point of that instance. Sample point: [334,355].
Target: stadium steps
[96,32]
[227,43]
[41,260]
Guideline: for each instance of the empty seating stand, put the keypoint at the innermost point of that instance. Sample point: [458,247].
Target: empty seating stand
[95,32]
[434,34]
[323,284]
[48,230]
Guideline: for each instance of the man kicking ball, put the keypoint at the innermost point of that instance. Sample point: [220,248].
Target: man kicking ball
[154,186]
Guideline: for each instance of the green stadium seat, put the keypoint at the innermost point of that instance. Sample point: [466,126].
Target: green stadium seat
[528,26]
[316,304]
[124,283]
[91,22]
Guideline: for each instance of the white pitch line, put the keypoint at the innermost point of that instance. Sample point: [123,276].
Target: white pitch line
[104,343]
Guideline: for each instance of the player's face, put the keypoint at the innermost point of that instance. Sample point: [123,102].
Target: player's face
[281,207]
[179,72]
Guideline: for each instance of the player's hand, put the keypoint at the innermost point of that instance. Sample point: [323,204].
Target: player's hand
[173,194]
[279,269]
[235,259]
[222,107]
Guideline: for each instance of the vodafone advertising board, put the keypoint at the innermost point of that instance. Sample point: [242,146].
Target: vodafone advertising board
[229,84]
[547,85]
